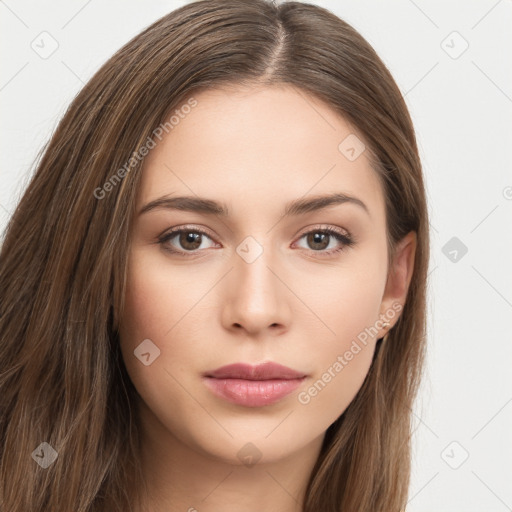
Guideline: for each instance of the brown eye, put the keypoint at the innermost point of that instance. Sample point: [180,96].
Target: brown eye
[190,240]
[183,241]
[327,241]
[318,240]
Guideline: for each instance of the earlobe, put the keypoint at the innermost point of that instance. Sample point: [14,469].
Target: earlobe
[399,277]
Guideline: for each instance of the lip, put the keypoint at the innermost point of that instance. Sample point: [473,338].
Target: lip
[263,371]
[253,386]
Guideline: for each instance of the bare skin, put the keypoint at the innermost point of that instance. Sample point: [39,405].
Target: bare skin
[283,296]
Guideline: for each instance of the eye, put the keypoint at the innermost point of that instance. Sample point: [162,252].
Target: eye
[185,241]
[330,238]
[188,240]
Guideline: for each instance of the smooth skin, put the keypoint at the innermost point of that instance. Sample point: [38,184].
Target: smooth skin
[297,303]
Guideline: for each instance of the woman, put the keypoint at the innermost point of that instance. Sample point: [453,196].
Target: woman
[213,289]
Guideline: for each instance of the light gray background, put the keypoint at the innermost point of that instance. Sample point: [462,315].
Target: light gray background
[461,104]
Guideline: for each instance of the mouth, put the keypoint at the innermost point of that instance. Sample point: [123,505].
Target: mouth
[253,386]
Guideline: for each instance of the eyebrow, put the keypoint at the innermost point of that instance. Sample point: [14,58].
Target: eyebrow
[211,207]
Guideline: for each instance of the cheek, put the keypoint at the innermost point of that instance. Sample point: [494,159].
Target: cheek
[162,304]
[331,391]
[153,312]
[150,312]
[346,300]
[349,306]
[156,298]
[342,359]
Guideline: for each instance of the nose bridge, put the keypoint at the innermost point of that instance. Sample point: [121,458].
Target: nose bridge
[255,284]
[254,292]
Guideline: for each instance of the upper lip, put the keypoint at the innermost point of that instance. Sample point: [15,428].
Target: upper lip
[263,371]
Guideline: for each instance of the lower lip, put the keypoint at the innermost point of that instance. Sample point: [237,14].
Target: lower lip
[252,393]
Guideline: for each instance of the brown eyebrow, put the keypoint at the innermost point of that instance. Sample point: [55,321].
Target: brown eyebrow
[209,206]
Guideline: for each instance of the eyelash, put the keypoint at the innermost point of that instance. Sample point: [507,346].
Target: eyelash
[345,238]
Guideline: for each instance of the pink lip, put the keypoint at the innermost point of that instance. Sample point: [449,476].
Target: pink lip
[253,386]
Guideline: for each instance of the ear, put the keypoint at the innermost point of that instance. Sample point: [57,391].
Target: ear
[399,278]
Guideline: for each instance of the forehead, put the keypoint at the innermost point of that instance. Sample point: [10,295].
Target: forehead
[271,144]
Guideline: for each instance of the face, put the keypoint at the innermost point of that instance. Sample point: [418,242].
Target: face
[253,268]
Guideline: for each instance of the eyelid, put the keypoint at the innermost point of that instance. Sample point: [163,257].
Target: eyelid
[299,234]
[187,227]
[323,227]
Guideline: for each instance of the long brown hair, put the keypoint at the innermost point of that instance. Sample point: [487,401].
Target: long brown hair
[64,256]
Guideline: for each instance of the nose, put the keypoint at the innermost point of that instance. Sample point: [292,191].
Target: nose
[256,298]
